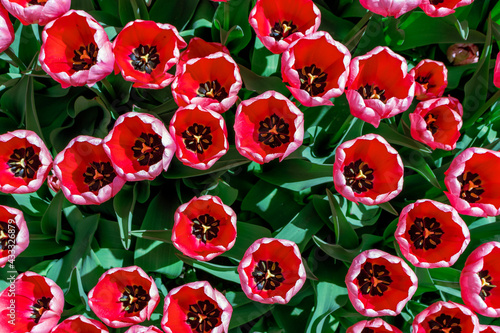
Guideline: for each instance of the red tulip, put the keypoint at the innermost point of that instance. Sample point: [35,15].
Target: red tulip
[378,85]
[196,307]
[431,234]
[143,329]
[462,54]
[442,317]
[376,325]
[496,75]
[431,79]
[489,329]
[76,50]
[316,67]
[36,11]
[124,296]
[25,162]
[212,82]
[386,8]
[198,48]
[438,8]
[268,126]
[145,51]
[53,182]
[6,30]
[437,122]
[204,228]
[79,323]
[14,234]
[280,22]
[271,271]
[200,135]
[368,170]
[472,187]
[86,173]
[31,303]
[139,146]
[380,284]
[479,280]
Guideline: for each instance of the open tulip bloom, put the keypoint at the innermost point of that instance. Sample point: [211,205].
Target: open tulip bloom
[380,284]
[268,126]
[368,170]
[36,11]
[379,86]
[25,162]
[124,296]
[139,146]
[443,317]
[472,186]
[376,325]
[278,23]
[438,8]
[200,135]
[76,50]
[79,323]
[196,307]
[272,271]
[145,50]
[431,79]
[14,234]
[143,329]
[316,67]
[212,82]
[204,228]
[386,8]
[6,30]
[86,173]
[437,122]
[479,280]
[39,303]
[199,48]
[431,234]
[489,329]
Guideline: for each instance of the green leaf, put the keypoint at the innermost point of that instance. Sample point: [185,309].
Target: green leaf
[51,220]
[261,84]
[231,19]
[264,62]
[131,10]
[345,236]
[124,203]
[31,203]
[164,236]
[247,234]
[248,312]
[177,13]
[338,252]
[417,163]
[394,137]
[228,273]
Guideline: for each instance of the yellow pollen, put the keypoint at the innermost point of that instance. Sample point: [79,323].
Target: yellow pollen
[205,228]
[210,93]
[3,235]
[201,317]
[269,275]
[286,28]
[428,233]
[311,78]
[98,175]
[360,175]
[145,148]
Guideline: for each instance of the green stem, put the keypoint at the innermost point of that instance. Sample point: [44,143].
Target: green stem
[109,87]
[105,101]
[15,59]
[226,16]
[355,30]
[135,8]
[482,110]
[341,131]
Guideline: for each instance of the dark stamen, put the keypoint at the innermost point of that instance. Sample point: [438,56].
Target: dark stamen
[41,305]
[267,275]
[37,2]
[274,131]
[212,89]
[431,120]
[24,162]
[471,188]
[373,279]
[203,316]
[145,58]
[445,324]
[134,298]
[371,91]
[359,176]
[98,175]
[425,233]
[205,227]
[436,2]
[486,284]
[148,149]
[312,79]
[85,57]
[197,138]
[5,235]
[282,30]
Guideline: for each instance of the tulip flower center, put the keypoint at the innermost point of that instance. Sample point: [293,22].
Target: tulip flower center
[367,330]
[5,235]
[98,175]
[274,131]
[486,284]
[203,316]
[373,279]
[134,298]
[430,120]
[267,275]
[85,57]
[197,138]
[424,81]
[436,2]
[445,324]
[41,305]
[359,176]
[36,2]
[148,149]
[145,58]
[212,89]
[312,79]
[24,162]
[425,233]
[471,187]
[371,91]
[282,30]
[205,228]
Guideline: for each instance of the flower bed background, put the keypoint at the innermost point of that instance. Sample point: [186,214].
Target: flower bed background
[290,196]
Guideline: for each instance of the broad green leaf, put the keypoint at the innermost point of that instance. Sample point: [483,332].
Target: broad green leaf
[228,273]
[51,220]
[264,62]
[261,84]
[247,234]
[177,13]
[164,236]
[394,137]
[416,162]
[124,203]
[248,312]
[345,236]
[338,252]
[131,10]
[31,203]
[231,21]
